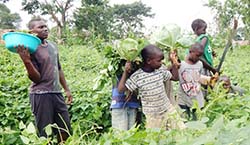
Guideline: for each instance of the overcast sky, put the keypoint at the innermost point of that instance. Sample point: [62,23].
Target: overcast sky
[180,12]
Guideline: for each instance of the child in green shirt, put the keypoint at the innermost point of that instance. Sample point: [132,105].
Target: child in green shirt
[199,27]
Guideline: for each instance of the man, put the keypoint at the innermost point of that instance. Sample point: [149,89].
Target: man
[45,72]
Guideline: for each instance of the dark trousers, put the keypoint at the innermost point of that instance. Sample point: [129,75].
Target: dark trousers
[48,109]
[191,113]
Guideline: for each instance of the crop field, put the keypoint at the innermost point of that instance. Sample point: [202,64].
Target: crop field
[224,120]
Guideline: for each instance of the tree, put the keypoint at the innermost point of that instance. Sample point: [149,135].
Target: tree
[7,19]
[129,17]
[104,19]
[225,12]
[95,16]
[52,8]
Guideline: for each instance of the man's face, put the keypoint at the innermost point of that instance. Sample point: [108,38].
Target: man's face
[41,29]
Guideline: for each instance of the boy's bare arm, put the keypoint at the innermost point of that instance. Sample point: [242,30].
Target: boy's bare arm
[121,84]
[175,65]
[129,95]
[203,43]
[174,71]
[207,80]
[207,66]
[204,79]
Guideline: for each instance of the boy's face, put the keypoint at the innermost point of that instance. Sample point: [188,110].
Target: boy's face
[155,61]
[41,29]
[226,84]
[194,55]
[201,30]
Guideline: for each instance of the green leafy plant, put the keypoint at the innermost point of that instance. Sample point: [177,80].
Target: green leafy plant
[169,37]
[224,120]
[128,49]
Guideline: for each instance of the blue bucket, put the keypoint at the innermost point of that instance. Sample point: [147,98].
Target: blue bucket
[13,39]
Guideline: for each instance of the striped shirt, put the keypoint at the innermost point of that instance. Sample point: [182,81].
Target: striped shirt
[151,89]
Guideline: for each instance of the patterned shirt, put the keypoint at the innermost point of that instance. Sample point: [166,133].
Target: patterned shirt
[151,89]
[190,86]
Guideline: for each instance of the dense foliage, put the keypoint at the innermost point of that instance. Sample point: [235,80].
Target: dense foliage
[229,9]
[103,19]
[57,10]
[224,120]
[8,20]
[87,109]
[90,63]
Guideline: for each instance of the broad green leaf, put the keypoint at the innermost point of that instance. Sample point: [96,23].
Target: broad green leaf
[204,119]
[186,41]
[152,142]
[48,130]
[128,49]
[167,35]
[198,125]
[107,142]
[25,139]
[218,124]
[21,125]
[125,143]
[31,128]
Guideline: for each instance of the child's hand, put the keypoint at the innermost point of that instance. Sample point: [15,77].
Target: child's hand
[128,67]
[214,53]
[128,97]
[174,58]
[214,79]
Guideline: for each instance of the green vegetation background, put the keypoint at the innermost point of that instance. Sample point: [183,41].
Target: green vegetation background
[225,120]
